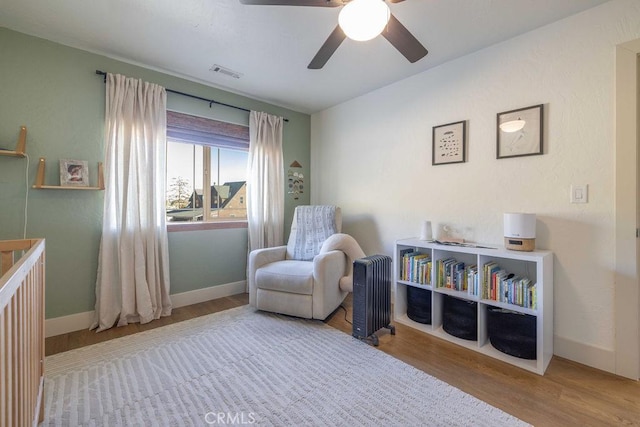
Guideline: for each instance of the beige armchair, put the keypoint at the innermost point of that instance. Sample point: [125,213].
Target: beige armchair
[313,288]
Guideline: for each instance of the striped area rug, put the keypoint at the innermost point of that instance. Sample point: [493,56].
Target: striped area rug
[242,367]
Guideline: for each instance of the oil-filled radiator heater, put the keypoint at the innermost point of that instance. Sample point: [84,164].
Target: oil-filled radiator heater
[371,297]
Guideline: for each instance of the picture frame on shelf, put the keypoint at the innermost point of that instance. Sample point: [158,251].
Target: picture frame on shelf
[74,173]
[520,132]
[449,143]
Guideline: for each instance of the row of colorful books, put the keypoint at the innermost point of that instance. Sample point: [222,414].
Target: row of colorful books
[453,274]
[497,283]
[415,267]
[500,285]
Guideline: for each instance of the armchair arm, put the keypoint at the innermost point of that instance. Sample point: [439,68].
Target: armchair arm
[257,259]
[353,251]
[328,268]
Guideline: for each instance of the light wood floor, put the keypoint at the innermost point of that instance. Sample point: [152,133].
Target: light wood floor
[569,394]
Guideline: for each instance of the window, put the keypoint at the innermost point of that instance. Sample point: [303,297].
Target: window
[206,169]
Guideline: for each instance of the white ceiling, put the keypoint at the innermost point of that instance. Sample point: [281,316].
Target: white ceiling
[272,45]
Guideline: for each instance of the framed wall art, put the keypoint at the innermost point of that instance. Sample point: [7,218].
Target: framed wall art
[74,173]
[520,132]
[449,143]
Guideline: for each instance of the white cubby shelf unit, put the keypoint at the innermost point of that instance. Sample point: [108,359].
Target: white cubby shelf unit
[536,265]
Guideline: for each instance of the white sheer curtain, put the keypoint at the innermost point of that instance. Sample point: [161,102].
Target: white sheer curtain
[265,187]
[133,264]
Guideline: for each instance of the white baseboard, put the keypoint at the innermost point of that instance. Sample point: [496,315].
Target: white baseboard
[207,294]
[75,322]
[596,357]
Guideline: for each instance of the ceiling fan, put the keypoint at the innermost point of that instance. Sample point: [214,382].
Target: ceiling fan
[396,33]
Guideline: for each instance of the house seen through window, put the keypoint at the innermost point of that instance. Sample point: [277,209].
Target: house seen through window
[206,169]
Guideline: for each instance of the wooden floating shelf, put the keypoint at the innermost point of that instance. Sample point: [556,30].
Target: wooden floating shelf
[41,185]
[64,187]
[20,146]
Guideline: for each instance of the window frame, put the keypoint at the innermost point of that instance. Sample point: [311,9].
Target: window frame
[208,133]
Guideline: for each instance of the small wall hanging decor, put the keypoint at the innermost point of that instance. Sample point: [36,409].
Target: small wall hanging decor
[520,132]
[448,145]
[296,180]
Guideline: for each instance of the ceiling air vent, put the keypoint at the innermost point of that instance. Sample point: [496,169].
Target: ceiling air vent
[225,71]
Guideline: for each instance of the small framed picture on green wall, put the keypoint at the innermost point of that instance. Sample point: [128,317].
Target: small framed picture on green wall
[74,173]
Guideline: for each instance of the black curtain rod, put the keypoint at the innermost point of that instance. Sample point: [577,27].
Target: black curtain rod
[210,101]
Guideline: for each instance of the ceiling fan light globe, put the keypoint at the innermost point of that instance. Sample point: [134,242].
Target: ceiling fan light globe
[512,125]
[362,20]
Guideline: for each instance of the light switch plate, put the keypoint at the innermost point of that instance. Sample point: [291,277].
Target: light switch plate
[579,193]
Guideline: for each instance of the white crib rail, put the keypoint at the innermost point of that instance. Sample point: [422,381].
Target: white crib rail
[22,332]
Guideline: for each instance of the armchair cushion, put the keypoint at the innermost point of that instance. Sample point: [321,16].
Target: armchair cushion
[287,276]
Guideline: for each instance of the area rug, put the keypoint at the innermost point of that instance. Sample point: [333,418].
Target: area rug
[242,367]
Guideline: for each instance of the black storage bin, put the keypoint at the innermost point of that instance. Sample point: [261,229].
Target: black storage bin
[460,318]
[512,333]
[419,305]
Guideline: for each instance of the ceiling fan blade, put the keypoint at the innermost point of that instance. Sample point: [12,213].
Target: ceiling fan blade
[316,3]
[403,40]
[396,1]
[332,43]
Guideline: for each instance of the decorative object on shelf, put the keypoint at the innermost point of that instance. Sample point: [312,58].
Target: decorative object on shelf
[41,185]
[296,180]
[426,233]
[448,143]
[20,145]
[447,233]
[74,173]
[520,132]
[520,231]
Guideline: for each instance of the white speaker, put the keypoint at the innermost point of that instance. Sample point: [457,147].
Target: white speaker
[520,231]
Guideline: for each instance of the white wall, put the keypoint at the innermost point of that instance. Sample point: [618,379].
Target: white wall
[372,157]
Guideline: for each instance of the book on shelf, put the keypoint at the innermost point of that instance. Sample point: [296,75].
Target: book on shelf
[415,267]
[500,285]
[404,254]
[471,280]
[442,267]
[423,271]
[488,269]
[496,279]
[451,274]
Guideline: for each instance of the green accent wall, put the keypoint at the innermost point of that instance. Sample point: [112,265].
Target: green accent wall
[54,91]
